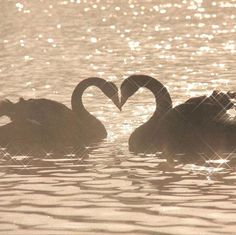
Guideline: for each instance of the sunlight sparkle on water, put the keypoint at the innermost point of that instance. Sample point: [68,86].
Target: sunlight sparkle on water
[50,40]
[93,40]
[28,58]
[19,6]
[134,45]
[189,45]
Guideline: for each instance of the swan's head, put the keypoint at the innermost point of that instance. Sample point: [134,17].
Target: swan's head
[127,89]
[131,84]
[111,91]
[6,107]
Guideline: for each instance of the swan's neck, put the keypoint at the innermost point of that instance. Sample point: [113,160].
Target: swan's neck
[76,99]
[162,97]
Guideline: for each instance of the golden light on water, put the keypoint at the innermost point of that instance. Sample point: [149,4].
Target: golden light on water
[48,47]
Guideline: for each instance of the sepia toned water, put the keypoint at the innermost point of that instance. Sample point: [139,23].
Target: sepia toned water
[47,47]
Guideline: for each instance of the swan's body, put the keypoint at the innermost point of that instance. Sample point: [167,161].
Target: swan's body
[49,121]
[198,125]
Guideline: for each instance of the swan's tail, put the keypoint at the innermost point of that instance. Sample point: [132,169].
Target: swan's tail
[6,107]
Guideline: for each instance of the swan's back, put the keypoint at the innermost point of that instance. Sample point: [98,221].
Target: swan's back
[57,122]
[40,110]
[194,127]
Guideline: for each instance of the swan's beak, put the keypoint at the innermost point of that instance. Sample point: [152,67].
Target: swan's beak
[122,102]
[116,101]
[118,106]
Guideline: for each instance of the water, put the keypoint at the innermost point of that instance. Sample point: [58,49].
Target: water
[47,47]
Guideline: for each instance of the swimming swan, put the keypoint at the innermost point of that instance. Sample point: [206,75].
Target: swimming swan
[198,125]
[47,121]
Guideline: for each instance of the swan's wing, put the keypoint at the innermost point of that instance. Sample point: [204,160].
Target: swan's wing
[197,100]
[34,122]
[217,98]
[21,133]
[202,112]
[223,99]
[40,111]
[187,118]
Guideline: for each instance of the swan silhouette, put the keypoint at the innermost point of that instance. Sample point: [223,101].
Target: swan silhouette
[199,125]
[46,121]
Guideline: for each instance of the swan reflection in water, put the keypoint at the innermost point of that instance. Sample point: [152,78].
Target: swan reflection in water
[199,125]
[46,122]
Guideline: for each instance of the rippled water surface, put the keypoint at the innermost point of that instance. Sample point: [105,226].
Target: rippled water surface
[47,47]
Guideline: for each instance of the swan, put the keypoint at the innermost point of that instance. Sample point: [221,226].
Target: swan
[199,125]
[47,121]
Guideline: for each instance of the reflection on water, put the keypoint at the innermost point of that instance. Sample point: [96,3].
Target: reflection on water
[47,47]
